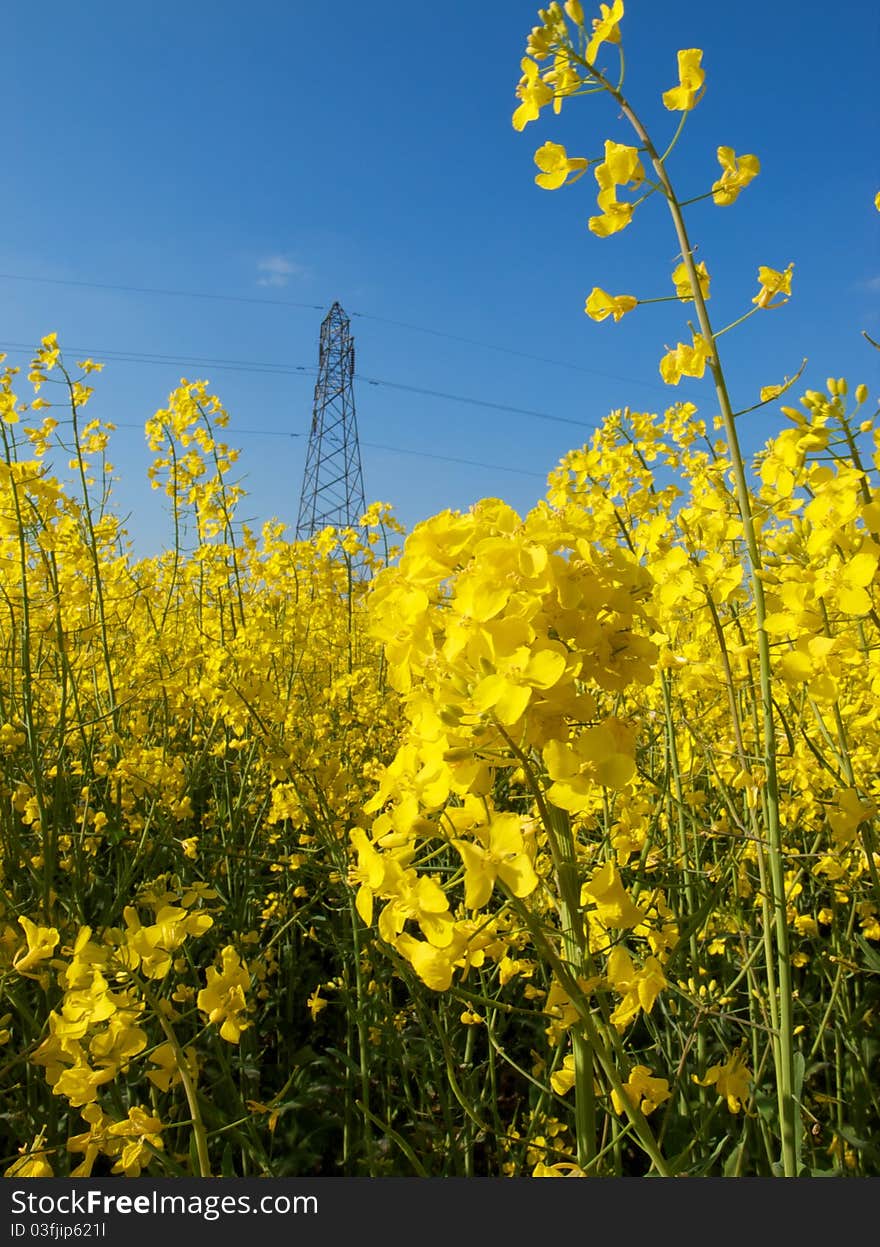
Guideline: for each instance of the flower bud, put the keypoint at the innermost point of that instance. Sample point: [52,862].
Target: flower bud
[861,393]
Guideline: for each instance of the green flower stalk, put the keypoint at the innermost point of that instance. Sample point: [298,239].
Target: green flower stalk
[564,40]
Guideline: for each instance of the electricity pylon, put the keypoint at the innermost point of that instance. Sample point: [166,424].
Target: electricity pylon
[333,482]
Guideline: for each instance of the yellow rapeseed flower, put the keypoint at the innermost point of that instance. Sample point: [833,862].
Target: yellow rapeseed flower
[731,1080]
[737,173]
[41,943]
[682,281]
[599,304]
[642,1090]
[223,997]
[773,283]
[685,360]
[556,166]
[534,93]
[606,28]
[691,82]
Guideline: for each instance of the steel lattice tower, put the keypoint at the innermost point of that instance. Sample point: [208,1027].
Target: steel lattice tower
[333,482]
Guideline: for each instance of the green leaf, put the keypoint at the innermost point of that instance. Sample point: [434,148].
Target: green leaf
[872,956]
[862,1145]
[766,1106]
[733,1164]
[798,1064]
[702,1169]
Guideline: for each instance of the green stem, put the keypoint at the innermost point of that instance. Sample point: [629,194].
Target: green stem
[192,1099]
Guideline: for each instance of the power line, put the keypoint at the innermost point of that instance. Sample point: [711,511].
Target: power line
[276,369]
[155,357]
[382,320]
[178,294]
[477,402]
[471,463]
[505,350]
[246,432]
[394,450]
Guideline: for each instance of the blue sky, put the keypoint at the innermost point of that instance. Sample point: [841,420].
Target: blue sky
[299,153]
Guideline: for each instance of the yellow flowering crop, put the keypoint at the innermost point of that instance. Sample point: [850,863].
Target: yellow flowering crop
[548,843]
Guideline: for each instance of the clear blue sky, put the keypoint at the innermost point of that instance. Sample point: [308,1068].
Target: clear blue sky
[315,152]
